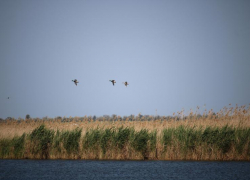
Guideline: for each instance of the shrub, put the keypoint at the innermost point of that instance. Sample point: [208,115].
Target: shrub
[27,116]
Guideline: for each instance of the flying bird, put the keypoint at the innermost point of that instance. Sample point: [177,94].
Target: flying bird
[125,83]
[75,81]
[113,82]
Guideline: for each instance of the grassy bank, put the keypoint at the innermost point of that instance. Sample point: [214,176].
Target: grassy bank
[177,143]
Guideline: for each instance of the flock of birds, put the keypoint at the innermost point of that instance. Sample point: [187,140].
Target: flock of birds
[113,82]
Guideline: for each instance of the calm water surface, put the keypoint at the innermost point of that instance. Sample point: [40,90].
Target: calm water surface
[82,169]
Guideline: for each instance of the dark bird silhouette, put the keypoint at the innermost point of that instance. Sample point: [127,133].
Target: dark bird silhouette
[125,83]
[8,97]
[113,82]
[75,81]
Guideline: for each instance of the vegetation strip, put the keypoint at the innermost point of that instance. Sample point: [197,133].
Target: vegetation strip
[125,143]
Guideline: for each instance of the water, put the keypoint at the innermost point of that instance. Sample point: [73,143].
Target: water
[82,169]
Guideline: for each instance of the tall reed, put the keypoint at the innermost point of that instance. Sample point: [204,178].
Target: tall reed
[41,141]
[231,116]
[180,143]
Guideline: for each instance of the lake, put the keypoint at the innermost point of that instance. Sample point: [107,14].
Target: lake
[90,169]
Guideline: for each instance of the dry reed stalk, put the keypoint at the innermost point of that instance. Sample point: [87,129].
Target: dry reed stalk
[236,117]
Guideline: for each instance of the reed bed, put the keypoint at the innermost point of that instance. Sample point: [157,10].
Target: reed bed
[124,143]
[210,136]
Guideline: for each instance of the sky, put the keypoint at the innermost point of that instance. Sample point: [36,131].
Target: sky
[175,55]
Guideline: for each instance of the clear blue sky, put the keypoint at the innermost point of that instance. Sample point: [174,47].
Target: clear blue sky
[174,55]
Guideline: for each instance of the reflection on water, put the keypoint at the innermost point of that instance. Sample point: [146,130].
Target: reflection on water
[82,169]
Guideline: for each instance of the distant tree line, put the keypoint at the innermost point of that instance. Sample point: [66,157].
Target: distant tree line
[114,117]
